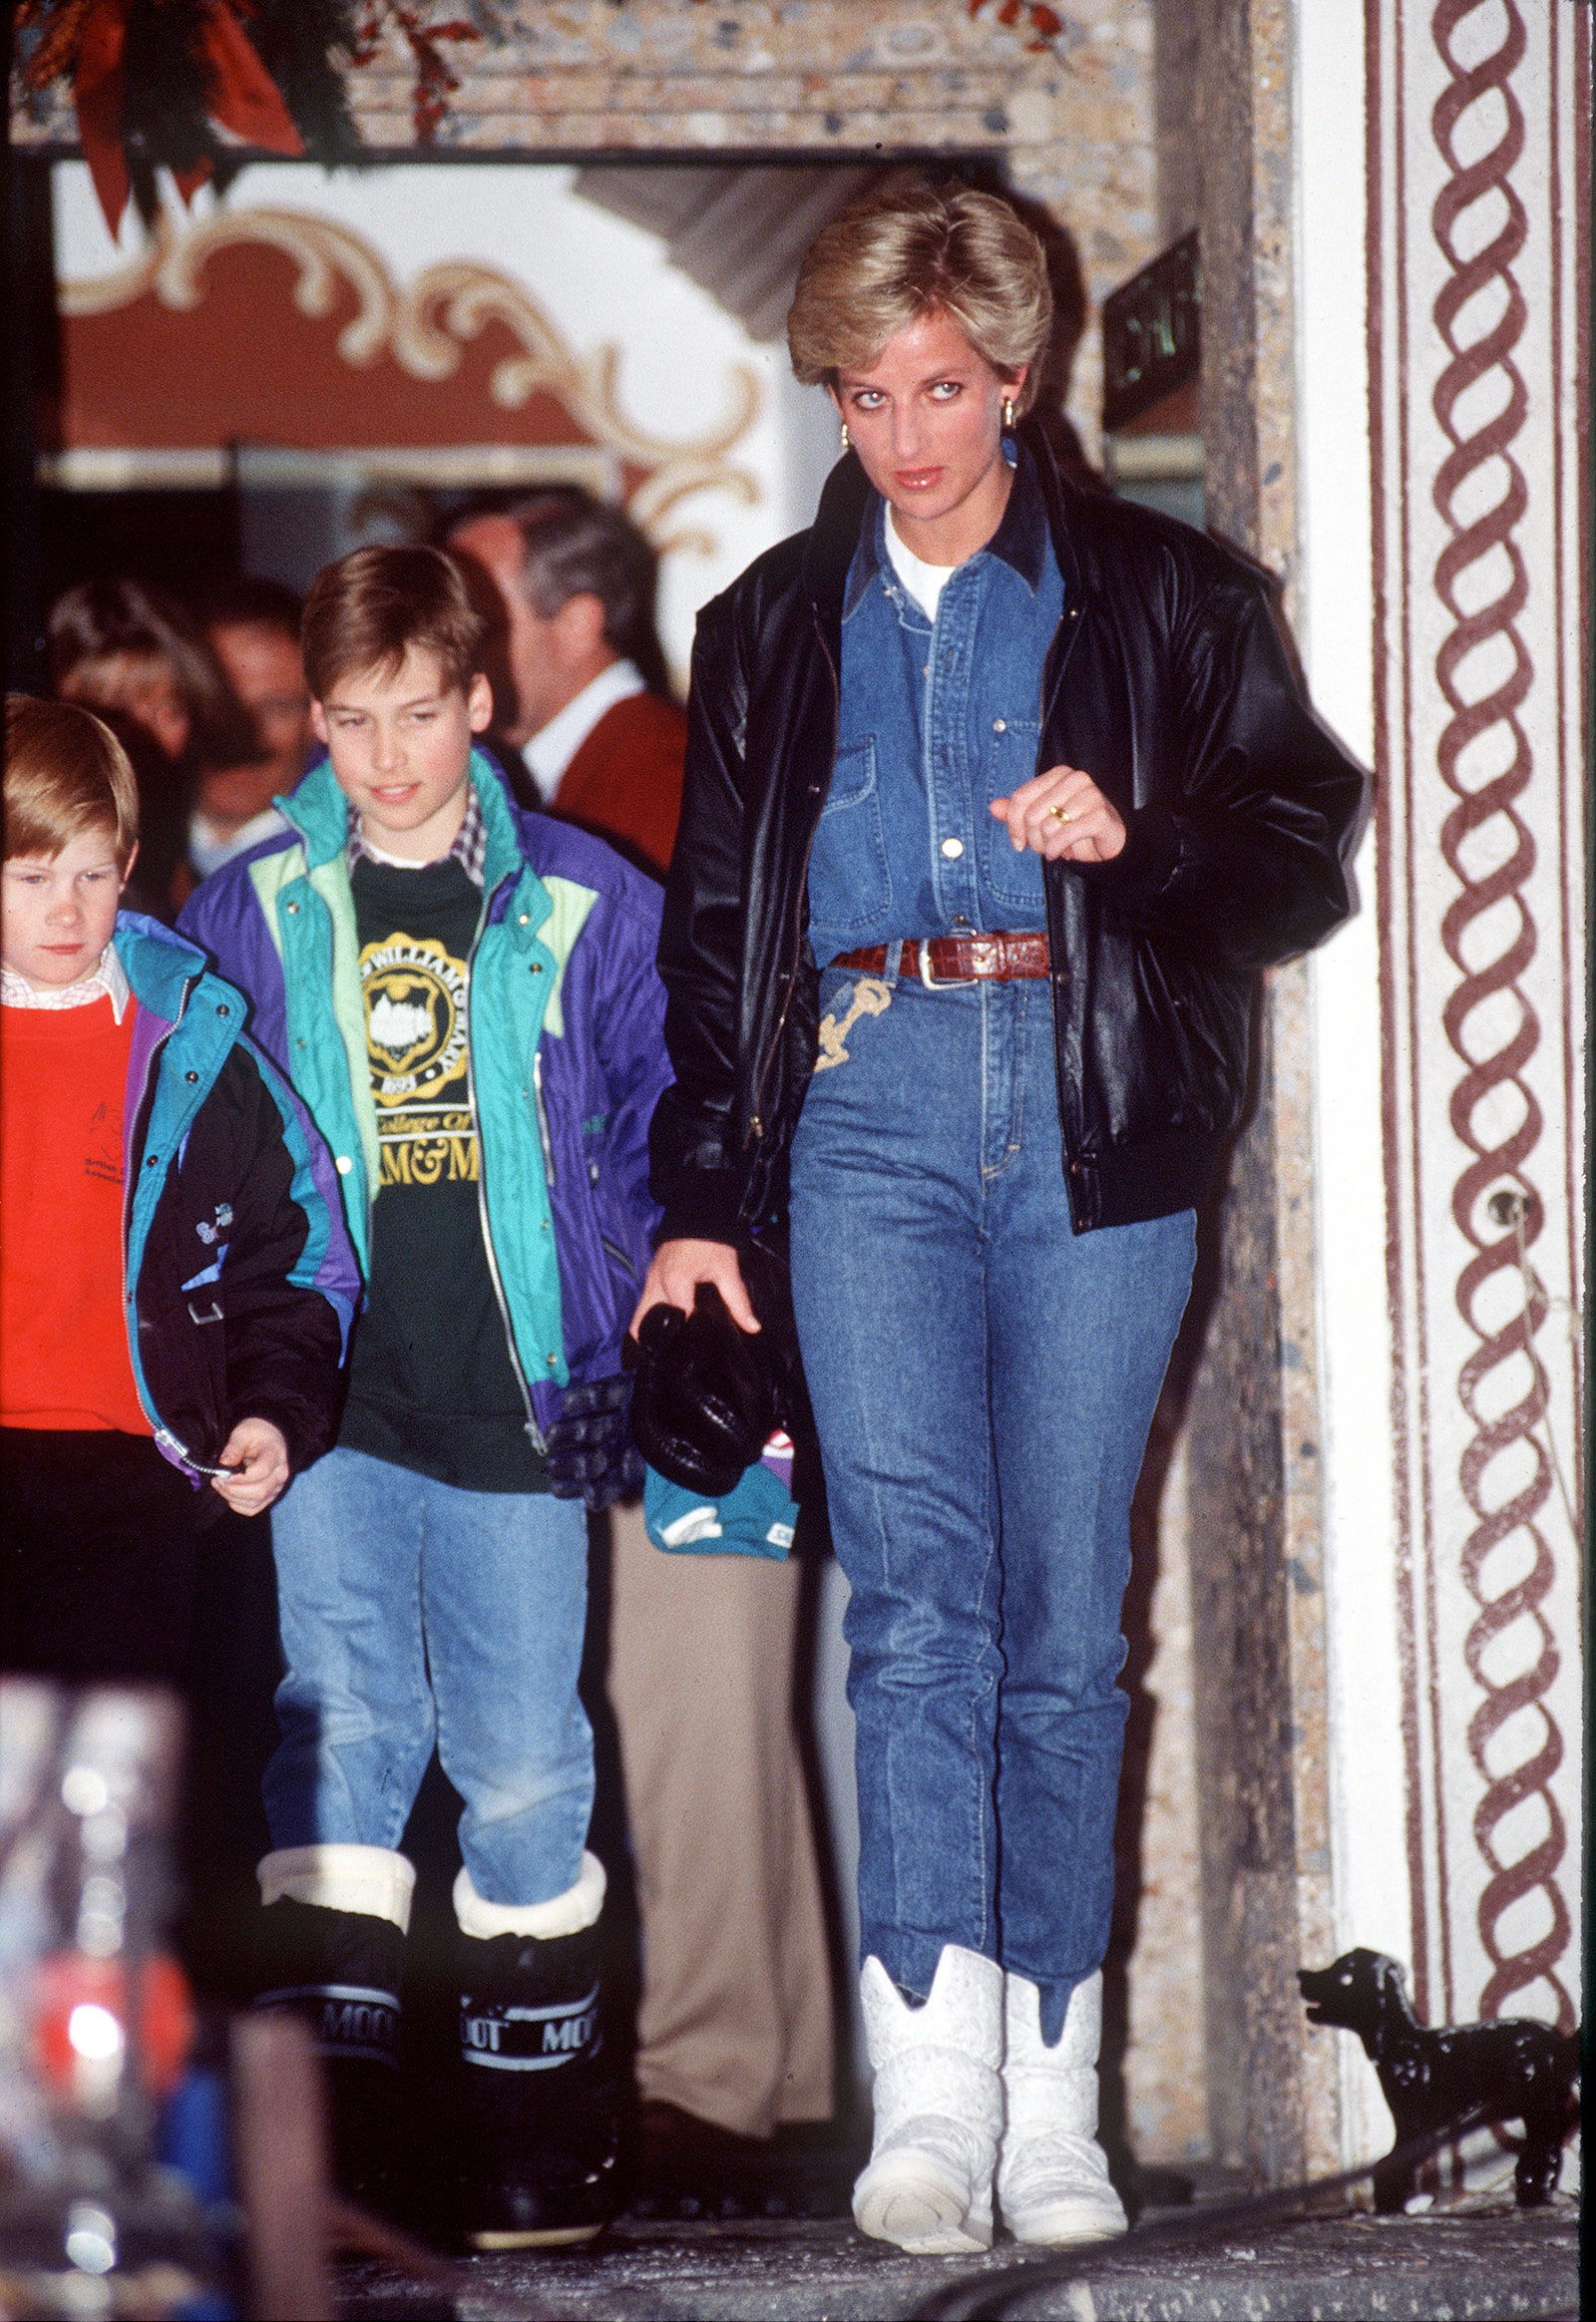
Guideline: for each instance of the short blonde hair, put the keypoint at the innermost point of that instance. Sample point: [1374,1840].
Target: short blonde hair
[66,774]
[915,248]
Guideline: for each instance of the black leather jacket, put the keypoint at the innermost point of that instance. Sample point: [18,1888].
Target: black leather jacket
[1166,682]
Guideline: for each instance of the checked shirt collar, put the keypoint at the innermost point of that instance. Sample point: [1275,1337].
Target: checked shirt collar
[470,848]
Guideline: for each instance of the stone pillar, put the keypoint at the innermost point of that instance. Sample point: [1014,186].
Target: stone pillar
[1253,1429]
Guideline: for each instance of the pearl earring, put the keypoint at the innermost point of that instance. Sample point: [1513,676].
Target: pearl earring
[846,436]
[1008,413]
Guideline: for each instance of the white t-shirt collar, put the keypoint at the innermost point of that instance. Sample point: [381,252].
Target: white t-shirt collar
[925,582]
[207,851]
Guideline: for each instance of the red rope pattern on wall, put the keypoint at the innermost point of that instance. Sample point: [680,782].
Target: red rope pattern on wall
[1495,1278]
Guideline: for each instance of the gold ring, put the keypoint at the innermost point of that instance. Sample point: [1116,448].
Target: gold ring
[1058,814]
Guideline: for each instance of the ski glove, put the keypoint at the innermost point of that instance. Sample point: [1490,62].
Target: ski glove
[589,1454]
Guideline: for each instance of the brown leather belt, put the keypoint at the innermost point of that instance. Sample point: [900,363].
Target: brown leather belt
[999,959]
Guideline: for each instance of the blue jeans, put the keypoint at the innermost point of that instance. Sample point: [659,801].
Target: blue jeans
[415,1612]
[982,1380]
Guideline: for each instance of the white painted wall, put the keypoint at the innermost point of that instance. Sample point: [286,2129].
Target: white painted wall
[1335,630]
[1364,1460]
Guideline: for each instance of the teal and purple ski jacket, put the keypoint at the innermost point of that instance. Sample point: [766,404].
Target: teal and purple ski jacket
[568,1053]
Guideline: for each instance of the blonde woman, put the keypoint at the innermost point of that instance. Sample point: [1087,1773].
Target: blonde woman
[996,794]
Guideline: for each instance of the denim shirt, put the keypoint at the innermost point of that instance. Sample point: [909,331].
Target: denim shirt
[933,722]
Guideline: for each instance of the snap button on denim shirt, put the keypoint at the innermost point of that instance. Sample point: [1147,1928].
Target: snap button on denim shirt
[935,721]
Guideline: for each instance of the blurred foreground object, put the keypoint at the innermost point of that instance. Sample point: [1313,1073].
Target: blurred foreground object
[279,2133]
[182,84]
[94,2017]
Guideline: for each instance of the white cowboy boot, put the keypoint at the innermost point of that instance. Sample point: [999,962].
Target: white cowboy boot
[1053,2180]
[937,2102]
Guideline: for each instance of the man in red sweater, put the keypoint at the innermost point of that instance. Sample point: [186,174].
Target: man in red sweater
[734,2029]
[575,582]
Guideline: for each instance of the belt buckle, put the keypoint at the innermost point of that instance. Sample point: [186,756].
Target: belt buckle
[941,982]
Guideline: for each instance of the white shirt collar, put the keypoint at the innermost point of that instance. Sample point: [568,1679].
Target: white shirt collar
[109,982]
[551,750]
[207,851]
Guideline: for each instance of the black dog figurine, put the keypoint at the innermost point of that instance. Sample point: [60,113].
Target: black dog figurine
[1516,2070]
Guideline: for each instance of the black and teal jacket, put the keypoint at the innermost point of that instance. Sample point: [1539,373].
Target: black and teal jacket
[239,1281]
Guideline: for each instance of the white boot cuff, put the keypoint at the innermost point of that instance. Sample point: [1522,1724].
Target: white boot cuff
[565,1914]
[368,1879]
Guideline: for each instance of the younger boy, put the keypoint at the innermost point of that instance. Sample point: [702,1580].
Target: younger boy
[174,1284]
[464,996]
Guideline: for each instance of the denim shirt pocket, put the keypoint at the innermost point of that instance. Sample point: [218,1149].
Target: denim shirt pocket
[1013,878]
[850,885]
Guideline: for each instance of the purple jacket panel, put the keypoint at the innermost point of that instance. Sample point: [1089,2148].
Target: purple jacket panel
[600,1076]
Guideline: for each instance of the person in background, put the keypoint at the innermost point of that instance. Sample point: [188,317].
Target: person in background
[600,741]
[143,1138]
[253,628]
[735,2022]
[133,653]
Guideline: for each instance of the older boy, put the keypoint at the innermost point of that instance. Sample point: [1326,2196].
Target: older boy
[464,996]
[144,1142]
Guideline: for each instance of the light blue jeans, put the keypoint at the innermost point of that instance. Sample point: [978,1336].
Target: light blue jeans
[413,1614]
[983,1380]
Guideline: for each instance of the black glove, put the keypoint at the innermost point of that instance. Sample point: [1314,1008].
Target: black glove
[589,1453]
[706,1400]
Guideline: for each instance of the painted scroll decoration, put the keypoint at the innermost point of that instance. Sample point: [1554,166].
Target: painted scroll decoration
[425,324]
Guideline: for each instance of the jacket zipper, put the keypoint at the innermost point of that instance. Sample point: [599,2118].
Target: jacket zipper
[614,1251]
[1051,692]
[544,1137]
[539,1442]
[757,1126]
[1049,697]
[130,1291]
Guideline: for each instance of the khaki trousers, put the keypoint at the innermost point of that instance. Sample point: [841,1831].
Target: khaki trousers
[735,2022]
